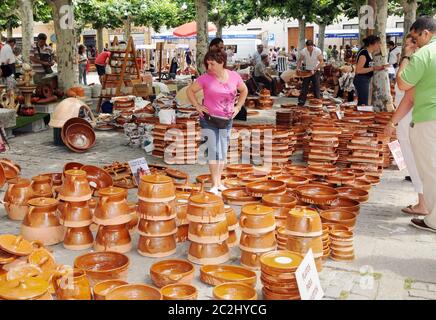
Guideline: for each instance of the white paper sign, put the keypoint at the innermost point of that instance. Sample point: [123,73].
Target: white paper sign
[395,148]
[365,108]
[139,167]
[307,277]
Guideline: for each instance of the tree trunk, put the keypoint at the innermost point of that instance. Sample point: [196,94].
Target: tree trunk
[381,93]
[202,34]
[362,31]
[10,31]
[26,16]
[321,36]
[66,42]
[301,33]
[219,28]
[100,45]
[127,29]
[409,8]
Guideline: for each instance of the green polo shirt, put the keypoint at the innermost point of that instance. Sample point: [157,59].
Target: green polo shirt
[421,73]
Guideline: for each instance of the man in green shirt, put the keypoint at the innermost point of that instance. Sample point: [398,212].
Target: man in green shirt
[417,76]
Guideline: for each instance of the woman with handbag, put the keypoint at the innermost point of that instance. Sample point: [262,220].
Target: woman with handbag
[217,110]
[82,62]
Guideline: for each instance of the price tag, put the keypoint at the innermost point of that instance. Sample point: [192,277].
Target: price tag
[139,167]
[365,108]
[395,148]
[307,277]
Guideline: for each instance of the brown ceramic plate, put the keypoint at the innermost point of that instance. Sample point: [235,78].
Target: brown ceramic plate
[218,274]
[317,194]
[340,216]
[353,193]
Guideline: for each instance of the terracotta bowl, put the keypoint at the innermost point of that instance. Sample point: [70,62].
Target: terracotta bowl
[97,177]
[171,271]
[10,169]
[237,196]
[80,137]
[353,193]
[239,168]
[157,247]
[101,266]
[179,291]
[360,184]
[276,200]
[258,189]
[341,178]
[317,194]
[340,216]
[335,227]
[343,203]
[371,179]
[280,262]
[234,291]
[302,245]
[101,289]
[134,292]
[292,181]
[357,172]
[303,222]
[218,274]
[252,177]
[69,122]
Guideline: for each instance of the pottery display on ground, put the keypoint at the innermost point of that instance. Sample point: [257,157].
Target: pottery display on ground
[134,292]
[237,196]
[341,246]
[218,274]
[258,189]
[75,187]
[316,194]
[167,272]
[340,216]
[101,289]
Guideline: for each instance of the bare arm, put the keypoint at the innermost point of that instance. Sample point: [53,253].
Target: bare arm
[360,66]
[403,85]
[321,63]
[403,109]
[243,93]
[300,61]
[190,92]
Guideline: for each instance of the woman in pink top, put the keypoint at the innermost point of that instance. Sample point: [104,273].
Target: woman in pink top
[221,102]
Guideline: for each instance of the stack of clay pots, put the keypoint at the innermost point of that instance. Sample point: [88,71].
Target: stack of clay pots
[75,193]
[239,144]
[258,234]
[232,226]
[182,222]
[278,275]
[112,216]
[17,195]
[157,226]
[281,205]
[265,101]
[325,242]
[367,152]
[342,248]
[323,145]
[344,139]
[208,229]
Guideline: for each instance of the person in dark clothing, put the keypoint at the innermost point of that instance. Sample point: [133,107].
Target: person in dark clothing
[174,66]
[216,43]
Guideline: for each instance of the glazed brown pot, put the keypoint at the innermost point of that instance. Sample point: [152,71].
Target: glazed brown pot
[251,177]
[250,260]
[206,207]
[42,186]
[258,189]
[255,219]
[280,203]
[232,219]
[302,245]
[181,210]
[343,203]
[173,271]
[42,223]
[78,238]
[340,216]
[258,243]
[76,214]
[234,291]
[10,169]
[79,289]
[134,292]
[19,192]
[113,238]
[292,181]
[317,194]
[179,291]
[237,196]
[157,211]
[75,186]
[72,166]
[239,168]
[157,247]
[102,288]
[97,177]
[353,193]
[304,223]
[182,233]
[156,188]
[101,266]
[159,228]
[112,208]
[208,232]
[214,253]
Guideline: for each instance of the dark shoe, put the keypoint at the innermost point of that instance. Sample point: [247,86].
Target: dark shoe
[408,178]
[420,224]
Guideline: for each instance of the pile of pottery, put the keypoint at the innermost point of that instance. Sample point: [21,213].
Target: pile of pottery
[274,146]
[325,242]
[232,226]
[182,222]
[286,117]
[78,135]
[281,204]
[278,275]
[239,144]
[265,100]
[323,144]
[75,213]
[342,248]
[258,234]
[208,229]
[18,193]
[157,226]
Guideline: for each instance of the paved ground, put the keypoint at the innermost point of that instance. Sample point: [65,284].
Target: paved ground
[393,260]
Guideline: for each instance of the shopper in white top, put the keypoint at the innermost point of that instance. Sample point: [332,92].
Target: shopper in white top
[257,55]
[314,61]
[7,56]
[393,59]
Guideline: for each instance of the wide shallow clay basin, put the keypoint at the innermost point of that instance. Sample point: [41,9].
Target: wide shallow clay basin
[265,187]
[339,216]
[179,291]
[171,271]
[134,292]
[97,177]
[218,274]
[317,194]
[353,193]
[234,291]
[101,289]
[80,137]
[344,203]
[279,200]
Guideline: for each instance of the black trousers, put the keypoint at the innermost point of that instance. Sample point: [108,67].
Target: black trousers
[316,85]
[268,84]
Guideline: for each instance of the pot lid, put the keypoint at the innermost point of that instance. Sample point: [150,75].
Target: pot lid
[111,191]
[281,260]
[205,198]
[156,178]
[23,289]
[42,177]
[42,202]
[303,212]
[256,209]
[16,245]
[74,172]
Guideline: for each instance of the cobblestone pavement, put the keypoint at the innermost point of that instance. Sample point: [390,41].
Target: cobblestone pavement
[393,260]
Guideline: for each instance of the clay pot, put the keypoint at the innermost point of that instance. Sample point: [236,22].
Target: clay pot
[317,194]
[302,245]
[113,238]
[42,223]
[101,266]
[157,247]
[232,219]
[79,289]
[214,253]
[156,188]
[281,263]
[208,232]
[150,228]
[79,137]
[234,291]
[72,166]
[218,274]
[340,216]
[42,186]
[112,208]
[181,210]
[232,240]
[304,223]
[134,292]
[237,196]
[353,193]
[343,203]
[341,178]
[179,291]
[102,288]
[78,238]
[255,219]
[55,177]
[75,214]
[258,243]
[251,260]
[239,168]
[157,211]
[98,178]
[167,272]
[10,169]
[292,181]
[75,187]
[19,192]
[258,189]
[206,208]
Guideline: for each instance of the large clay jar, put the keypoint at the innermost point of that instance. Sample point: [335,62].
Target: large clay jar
[157,211]
[16,197]
[112,209]
[206,208]
[75,214]
[256,219]
[73,286]
[78,238]
[213,253]
[42,223]
[156,188]
[42,186]
[208,232]
[157,247]
[75,187]
[113,238]
[302,245]
[303,222]
[258,243]
[150,228]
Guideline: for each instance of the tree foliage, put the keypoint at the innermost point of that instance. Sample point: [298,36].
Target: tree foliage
[10,16]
